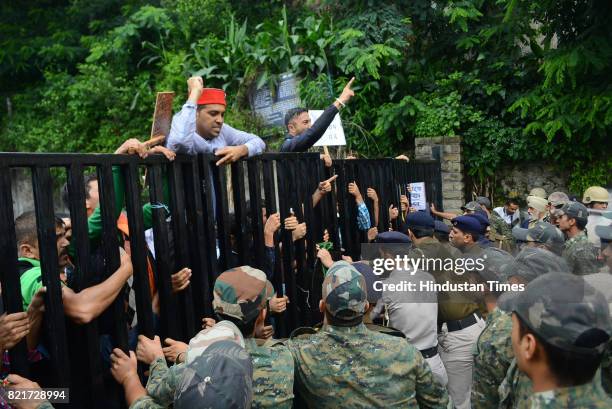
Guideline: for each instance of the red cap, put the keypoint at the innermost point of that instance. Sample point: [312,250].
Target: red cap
[212,96]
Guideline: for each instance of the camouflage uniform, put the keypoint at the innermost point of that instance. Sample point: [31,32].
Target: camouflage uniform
[580,255]
[501,232]
[492,359]
[352,367]
[272,373]
[241,293]
[559,308]
[163,380]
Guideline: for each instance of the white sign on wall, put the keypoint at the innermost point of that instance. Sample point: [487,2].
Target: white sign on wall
[418,197]
[334,135]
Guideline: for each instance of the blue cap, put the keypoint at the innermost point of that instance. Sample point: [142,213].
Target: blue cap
[468,224]
[420,219]
[392,237]
[484,222]
[441,227]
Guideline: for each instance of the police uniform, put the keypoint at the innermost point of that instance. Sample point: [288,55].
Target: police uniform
[493,355]
[353,367]
[543,307]
[579,253]
[460,323]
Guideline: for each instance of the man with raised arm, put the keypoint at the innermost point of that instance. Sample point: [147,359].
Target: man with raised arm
[199,128]
[301,133]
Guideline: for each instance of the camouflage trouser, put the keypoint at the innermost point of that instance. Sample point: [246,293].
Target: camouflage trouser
[456,352]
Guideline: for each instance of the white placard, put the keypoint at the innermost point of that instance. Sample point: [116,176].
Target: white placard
[418,197]
[334,135]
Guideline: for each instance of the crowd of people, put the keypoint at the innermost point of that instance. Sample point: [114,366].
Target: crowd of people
[512,307]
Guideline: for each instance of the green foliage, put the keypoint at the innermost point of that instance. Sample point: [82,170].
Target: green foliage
[517,79]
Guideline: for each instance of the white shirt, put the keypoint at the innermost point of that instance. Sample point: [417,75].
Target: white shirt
[415,313]
[508,218]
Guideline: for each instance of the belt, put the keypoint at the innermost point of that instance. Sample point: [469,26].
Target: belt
[429,352]
[456,325]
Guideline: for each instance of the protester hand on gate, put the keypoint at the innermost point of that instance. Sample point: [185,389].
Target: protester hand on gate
[326,186]
[278,304]
[299,232]
[273,224]
[18,382]
[133,146]
[230,154]
[180,280]
[264,331]
[327,160]
[403,157]
[175,351]
[372,233]
[123,367]
[291,223]
[371,193]
[404,203]
[37,305]
[325,257]
[126,260]
[148,350]
[208,322]
[354,190]
[13,327]
[393,213]
[170,155]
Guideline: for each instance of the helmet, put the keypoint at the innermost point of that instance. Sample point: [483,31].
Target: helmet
[595,194]
[539,192]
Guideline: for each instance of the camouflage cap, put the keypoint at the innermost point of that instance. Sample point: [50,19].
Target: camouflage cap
[220,377]
[495,262]
[344,291]
[472,206]
[241,293]
[542,232]
[533,262]
[574,210]
[566,312]
[484,201]
[558,198]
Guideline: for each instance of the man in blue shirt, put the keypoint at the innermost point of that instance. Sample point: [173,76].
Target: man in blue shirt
[198,127]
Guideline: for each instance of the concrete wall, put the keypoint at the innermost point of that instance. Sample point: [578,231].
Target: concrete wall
[23,196]
[518,180]
[449,148]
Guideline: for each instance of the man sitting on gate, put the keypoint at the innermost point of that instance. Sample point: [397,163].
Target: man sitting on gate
[199,128]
